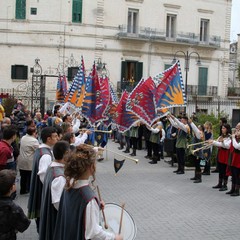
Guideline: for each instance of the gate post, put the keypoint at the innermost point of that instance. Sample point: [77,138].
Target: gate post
[38,88]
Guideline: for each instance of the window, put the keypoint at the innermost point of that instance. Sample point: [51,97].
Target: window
[19,72]
[33,11]
[77,11]
[72,72]
[132,72]
[171,26]
[20,9]
[166,66]
[204,30]
[132,24]
[202,81]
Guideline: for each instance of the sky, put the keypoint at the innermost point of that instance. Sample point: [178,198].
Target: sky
[235,20]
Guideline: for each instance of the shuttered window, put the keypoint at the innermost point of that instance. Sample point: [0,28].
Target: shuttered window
[77,11]
[20,9]
[19,72]
[202,81]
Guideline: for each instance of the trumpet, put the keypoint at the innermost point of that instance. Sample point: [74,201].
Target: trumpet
[206,146]
[95,130]
[193,144]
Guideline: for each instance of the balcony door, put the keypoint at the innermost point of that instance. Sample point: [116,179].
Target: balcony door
[202,80]
[131,74]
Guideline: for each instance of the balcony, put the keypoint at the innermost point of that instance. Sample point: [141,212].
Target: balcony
[204,91]
[159,35]
[234,92]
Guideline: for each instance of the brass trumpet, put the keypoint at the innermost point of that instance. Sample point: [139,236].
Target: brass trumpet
[95,130]
[206,146]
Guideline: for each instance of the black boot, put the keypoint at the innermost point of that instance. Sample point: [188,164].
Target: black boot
[232,189]
[224,187]
[194,178]
[219,185]
[199,177]
[181,171]
[127,150]
[133,153]
[121,146]
[236,192]
[154,160]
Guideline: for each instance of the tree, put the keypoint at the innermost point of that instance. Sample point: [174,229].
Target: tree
[8,104]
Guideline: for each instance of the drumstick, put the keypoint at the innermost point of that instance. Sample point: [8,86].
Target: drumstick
[121,218]
[104,217]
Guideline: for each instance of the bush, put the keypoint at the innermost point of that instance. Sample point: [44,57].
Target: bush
[8,104]
[201,119]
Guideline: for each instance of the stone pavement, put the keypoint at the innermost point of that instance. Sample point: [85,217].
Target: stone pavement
[164,205]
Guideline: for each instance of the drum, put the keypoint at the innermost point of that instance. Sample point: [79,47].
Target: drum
[113,214]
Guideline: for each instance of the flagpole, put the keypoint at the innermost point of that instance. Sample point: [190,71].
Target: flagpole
[122,155]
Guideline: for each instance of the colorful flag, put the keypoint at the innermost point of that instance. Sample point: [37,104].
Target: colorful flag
[170,91]
[118,164]
[124,118]
[111,108]
[61,88]
[76,92]
[94,103]
[141,101]
[103,97]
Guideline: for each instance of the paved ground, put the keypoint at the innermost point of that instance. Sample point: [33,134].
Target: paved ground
[164,205]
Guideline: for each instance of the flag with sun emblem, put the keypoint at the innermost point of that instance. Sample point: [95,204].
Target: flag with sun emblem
[141,101]
[118,164]
[170,90]
[124,118]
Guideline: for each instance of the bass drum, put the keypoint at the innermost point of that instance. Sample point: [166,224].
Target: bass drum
[113,214]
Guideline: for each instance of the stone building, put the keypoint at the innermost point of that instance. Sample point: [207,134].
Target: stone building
[135,38]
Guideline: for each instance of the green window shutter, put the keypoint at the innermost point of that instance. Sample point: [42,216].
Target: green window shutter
[77,11]
[25,72]
[20,9]
[13,72]
[202,81]
[123,71]
[166,66]
[139,72]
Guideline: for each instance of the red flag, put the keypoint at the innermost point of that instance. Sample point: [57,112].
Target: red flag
[124,119]
[141,101]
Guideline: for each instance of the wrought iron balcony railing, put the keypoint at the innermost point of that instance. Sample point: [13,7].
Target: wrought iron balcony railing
[153,34]
[201,90]
[234,92]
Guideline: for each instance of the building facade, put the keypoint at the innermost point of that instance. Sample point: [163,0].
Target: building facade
[135,38]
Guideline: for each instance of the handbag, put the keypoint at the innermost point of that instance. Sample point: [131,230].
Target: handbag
[202,162]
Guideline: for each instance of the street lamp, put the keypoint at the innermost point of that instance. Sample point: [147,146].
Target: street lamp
[101,68]
[187,57]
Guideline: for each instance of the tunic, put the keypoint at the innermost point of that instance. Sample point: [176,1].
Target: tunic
[48,215]
[70,224]
[35,197]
